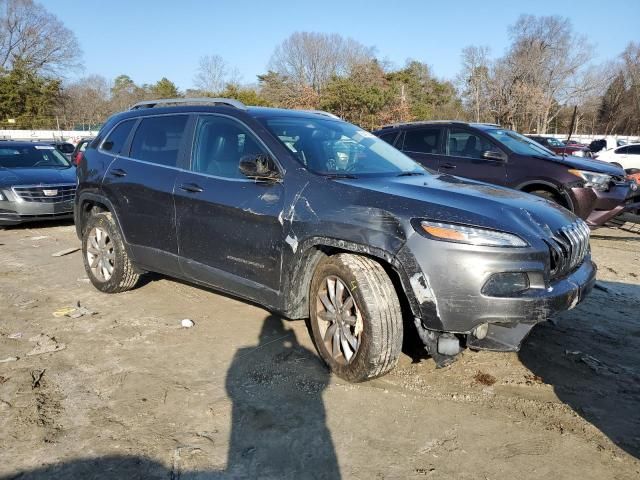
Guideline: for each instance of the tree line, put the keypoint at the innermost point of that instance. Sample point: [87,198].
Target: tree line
[545,73]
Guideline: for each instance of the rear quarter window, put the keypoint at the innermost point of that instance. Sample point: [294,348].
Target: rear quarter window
[115,141]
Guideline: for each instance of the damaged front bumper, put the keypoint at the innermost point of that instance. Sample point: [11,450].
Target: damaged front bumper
[599,206]
[446,282]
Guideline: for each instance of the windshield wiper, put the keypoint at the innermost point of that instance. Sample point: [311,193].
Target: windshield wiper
[340,175]
[409,174]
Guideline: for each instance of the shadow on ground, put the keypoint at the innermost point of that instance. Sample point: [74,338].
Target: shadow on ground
[278,426]
[591,358]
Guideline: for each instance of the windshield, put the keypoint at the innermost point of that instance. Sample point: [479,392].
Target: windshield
[329,147]
[554,142]
[519,143]
[32,156]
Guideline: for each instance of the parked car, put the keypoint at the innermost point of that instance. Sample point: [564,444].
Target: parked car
[574,143]
[595,191]
[36,183]
[627,156]
[313,217]
[561,148]
[65,148]
[78,152]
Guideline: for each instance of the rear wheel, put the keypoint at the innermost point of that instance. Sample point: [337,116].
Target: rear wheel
[105,259]
[355,316]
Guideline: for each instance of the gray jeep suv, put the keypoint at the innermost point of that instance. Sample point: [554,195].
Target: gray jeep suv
[316,219]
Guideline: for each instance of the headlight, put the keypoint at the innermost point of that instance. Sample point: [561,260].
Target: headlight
[578,153]
[472,235]
[599,181]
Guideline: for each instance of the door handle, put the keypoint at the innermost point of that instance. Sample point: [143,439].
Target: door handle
[447,165]
[191,187]
[118,172]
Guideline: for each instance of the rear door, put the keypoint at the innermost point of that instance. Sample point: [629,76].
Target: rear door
[464,157]
[424,145]
[229,232]
[140,182]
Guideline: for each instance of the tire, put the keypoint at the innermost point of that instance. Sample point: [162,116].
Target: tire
[374,321]
[552,197]
[122,276]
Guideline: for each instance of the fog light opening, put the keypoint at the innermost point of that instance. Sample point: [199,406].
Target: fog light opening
[480,331]
[505,284]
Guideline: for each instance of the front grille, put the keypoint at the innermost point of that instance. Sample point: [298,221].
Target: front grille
[45,193]
[568,247]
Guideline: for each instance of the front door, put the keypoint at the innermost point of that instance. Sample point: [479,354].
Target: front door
[465,150]
[229,233]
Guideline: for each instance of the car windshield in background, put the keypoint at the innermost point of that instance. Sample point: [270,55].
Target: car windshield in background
[36,156]
[555,142]
[327,147]
[519,143]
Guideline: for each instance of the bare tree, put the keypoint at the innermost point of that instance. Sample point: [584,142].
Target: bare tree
[474,80]
[85,102]
[35,38]
[213,74]
[311,59]
[546,56]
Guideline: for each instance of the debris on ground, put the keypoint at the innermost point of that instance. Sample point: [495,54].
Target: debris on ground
[9,359]
[45,344]
[484,378]
[66,251]
[36,376]
[3,379]
[39,237]
[15,336]
[83,279]
[186,323]
[73,312]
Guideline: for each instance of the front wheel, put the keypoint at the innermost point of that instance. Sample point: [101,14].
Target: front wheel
[355,316]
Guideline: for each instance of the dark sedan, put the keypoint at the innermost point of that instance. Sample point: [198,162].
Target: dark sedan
[36,183]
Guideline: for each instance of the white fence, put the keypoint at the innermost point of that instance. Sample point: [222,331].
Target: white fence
[612,140]
[72,136]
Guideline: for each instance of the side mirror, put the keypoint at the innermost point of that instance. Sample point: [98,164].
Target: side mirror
[494,155]
[259,167]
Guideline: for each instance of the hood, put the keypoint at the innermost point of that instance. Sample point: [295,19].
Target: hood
[589,164]
[36,176]
[457,200]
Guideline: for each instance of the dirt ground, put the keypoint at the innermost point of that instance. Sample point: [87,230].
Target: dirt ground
[126,392]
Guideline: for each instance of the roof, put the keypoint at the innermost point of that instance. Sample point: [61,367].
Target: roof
[22,143]
[440,122]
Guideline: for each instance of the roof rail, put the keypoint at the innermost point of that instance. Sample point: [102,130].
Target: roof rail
[185,101]
[326,114]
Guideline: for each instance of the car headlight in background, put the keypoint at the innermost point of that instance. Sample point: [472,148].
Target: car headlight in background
[599,181]
[471,235]
[578,153]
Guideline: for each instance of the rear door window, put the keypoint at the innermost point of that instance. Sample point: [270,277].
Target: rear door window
[634,150]
[158,139]
[422,140]
[118,137]
[463,143]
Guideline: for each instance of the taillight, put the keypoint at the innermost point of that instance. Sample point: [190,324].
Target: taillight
[79,158]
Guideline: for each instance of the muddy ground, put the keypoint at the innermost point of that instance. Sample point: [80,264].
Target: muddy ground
[127,393]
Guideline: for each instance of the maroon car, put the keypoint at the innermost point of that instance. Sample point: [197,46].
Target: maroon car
[593,190]
[561,148]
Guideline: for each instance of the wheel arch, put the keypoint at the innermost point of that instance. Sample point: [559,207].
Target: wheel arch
[546,186]
[297,280]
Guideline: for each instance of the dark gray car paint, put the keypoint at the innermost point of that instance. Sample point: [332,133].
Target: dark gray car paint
[261,240]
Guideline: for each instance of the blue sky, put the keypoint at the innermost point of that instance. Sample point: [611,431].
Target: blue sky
[151,39]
